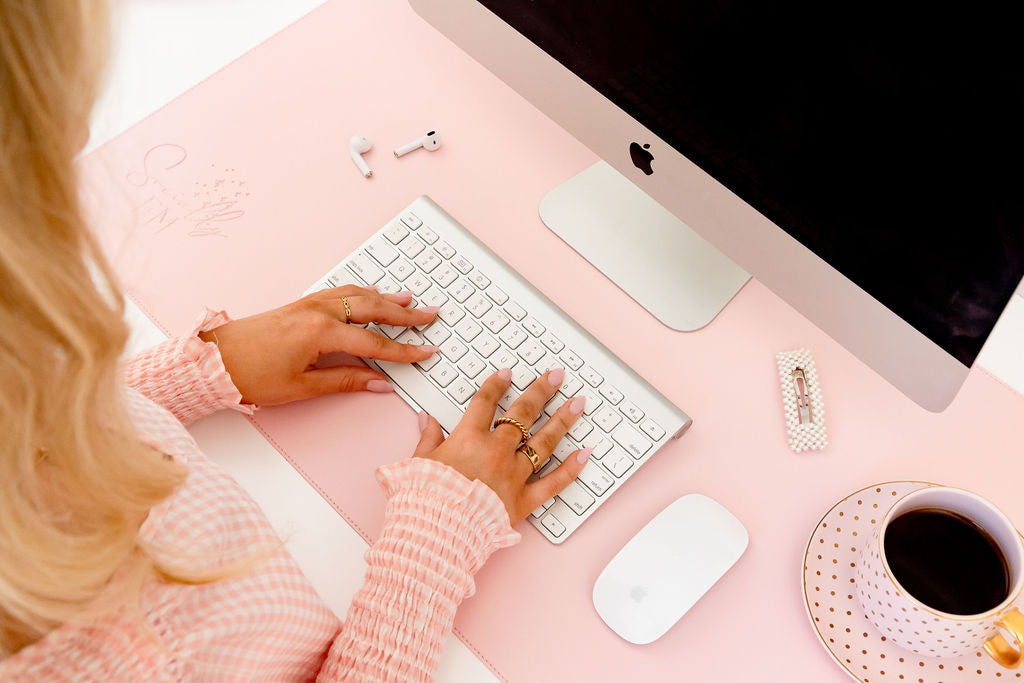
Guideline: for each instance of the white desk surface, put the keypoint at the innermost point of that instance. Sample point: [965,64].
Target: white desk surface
[163,47]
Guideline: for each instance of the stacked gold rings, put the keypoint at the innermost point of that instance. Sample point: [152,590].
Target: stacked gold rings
[523,447]
[348,310]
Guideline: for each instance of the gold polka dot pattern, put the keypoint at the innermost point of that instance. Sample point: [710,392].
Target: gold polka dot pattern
[831,565]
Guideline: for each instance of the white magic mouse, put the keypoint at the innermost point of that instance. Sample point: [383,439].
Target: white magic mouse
[664,570]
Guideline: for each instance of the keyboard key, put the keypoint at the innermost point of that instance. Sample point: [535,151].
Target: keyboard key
[570,385]
[513,336]
[444,374]
[531,351]
[418,283]
[434,297]
[522,376]
[548,362]
[543,507]
[533,327]
[445,275]
[495,320]
[612,394]
[593,400]
[409,337]
[635,444]
[607,418]
[590,376]
[480,280]
[564,448]
[552,342]
[396,232]
[471,365]
[382,251]
[453,349]
[504,359]
[595,478]
[362,266]
[508,398]
[576,498]
[451,314]
[428,260]
[437,333]
[461,290]
[427,235]
[478,305]
[411,220]
[497,295]
[551,523]
[461,390]
[444,249]
[467,329]
[430,362]
[485,345]
[462,265]
[617,462]
[402,269]
[602,447]
[632,412]
[388,286]
[552,406]
[390,331]
[571,360]
[516,311]
[411,246]
[652,429]
[580,430]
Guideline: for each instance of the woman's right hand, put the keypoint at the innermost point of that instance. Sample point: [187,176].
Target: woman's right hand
[478,452]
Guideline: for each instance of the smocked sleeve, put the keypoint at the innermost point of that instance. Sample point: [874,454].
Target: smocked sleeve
[439,529]
[187,375]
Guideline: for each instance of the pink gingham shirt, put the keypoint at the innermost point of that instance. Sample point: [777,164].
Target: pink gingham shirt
[268,624]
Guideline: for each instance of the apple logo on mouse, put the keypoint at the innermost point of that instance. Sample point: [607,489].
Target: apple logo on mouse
[638,594]
[641,157]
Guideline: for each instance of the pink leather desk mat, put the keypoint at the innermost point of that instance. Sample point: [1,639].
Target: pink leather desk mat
[240,193]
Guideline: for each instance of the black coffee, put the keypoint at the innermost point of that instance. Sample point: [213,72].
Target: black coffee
[946,561]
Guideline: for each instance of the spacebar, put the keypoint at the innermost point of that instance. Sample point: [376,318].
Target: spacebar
[423,392]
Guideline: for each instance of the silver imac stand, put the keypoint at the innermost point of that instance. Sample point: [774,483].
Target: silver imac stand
[650,254]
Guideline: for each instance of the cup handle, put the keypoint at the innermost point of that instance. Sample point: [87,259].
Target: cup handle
[1001,651]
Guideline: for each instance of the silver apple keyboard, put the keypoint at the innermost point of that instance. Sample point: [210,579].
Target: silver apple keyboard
[492,318]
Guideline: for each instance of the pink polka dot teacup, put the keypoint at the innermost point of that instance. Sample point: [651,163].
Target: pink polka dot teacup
[941,576]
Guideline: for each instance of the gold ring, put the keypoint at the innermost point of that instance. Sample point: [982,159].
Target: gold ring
[348,310]
[527,450]
[517,423]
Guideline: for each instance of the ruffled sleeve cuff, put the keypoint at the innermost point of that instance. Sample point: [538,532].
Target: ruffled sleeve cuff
[437,500]
[187,375]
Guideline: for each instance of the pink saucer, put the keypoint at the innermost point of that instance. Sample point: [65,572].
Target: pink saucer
[831,600]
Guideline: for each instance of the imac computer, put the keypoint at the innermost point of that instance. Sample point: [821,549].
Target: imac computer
[864,161]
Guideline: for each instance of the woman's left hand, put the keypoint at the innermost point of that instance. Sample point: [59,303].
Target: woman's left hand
[270,356]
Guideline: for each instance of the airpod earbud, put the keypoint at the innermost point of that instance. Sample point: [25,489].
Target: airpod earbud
[431,141]
[357,147]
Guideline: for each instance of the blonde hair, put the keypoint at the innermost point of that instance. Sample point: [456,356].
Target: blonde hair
[75,481]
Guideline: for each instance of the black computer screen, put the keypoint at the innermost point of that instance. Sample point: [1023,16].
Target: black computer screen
[886,137]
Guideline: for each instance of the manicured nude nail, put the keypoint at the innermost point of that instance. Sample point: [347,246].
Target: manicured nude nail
[505,374]
[422,419]
[379,386]
[582,456]
[577,405]
[432,310]
[429,349]
[556,376]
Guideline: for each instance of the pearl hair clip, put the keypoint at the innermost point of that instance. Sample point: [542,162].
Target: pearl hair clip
[801,398]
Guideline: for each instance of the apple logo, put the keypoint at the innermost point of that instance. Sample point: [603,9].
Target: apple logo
[638,594]
[641,157]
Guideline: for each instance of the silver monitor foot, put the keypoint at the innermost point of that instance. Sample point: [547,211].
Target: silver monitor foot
[650,254]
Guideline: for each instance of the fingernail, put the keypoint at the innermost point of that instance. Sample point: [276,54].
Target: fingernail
[556,376]
[582,456]
[421,417]
[379,386]
[577,405]
[432,310]
[505,374]
[429,349]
